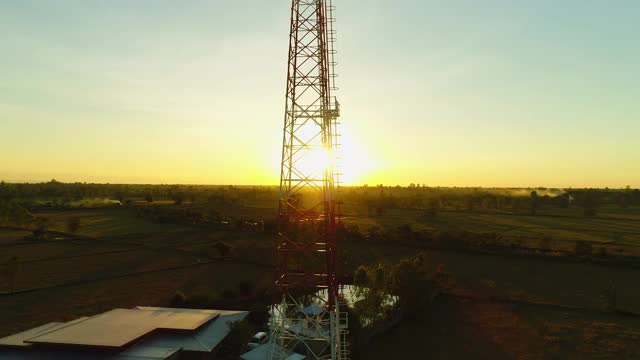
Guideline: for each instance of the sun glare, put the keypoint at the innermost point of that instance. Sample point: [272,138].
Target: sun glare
[355,160]
[315,162]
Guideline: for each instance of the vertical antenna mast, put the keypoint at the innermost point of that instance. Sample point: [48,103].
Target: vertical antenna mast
[307,318]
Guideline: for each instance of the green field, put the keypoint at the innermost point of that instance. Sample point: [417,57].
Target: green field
[611,225]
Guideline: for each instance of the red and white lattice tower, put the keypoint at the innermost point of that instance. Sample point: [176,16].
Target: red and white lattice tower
[307,317]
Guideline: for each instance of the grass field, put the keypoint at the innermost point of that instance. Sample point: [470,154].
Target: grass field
[116,260]
[611,225]
[106,222]
[463,329]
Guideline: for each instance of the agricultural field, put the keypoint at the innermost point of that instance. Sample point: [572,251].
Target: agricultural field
[611,225]
[462,329]
[144,253]
[114,259]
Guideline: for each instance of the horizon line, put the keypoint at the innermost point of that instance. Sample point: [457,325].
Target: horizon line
[417,185]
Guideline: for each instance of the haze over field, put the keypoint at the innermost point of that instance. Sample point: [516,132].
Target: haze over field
[442,93]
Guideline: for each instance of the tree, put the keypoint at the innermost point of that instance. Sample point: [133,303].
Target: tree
[5,213]
[73,224]
[534,202]
[223,248]
[41,225]
[515,205]
[405,232]
[4,191]
[624,200]
[499,202]
[239,335]
[259,315]
[544,244]
[411,282]
[443,278]
[434,207]
[375,233]
[583,248]
[371,287]
[591,203]
[245,288]
[20,216]
[361,276]
[177,198]
[213,214]
[239,224]
[179,300]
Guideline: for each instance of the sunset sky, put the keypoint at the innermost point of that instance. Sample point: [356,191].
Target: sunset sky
[450,93]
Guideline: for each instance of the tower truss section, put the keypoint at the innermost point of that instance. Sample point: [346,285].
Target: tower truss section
[307,316]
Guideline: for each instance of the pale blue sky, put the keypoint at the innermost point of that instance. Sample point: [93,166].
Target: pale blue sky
[489,93]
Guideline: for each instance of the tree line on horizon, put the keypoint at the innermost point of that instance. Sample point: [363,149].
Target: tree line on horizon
[376,199]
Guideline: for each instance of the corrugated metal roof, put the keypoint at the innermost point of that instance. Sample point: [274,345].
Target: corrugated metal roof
[159,345]
[149,352]
[37,354]
[313,310]
[308,329]
[120,327]
[19,338]
[205,339]
[264,352]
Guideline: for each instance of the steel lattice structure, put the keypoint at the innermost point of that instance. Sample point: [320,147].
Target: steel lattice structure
[308,211]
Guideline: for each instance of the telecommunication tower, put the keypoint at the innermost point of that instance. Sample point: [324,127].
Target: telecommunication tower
[307,317]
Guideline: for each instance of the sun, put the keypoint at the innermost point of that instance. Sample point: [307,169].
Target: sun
[355,161]
[316,161]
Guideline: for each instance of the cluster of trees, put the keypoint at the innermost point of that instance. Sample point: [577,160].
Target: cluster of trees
[377,201]
[58,194]
[407,285]
[13,214]
[178,215]
[387,292]
[197,216]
